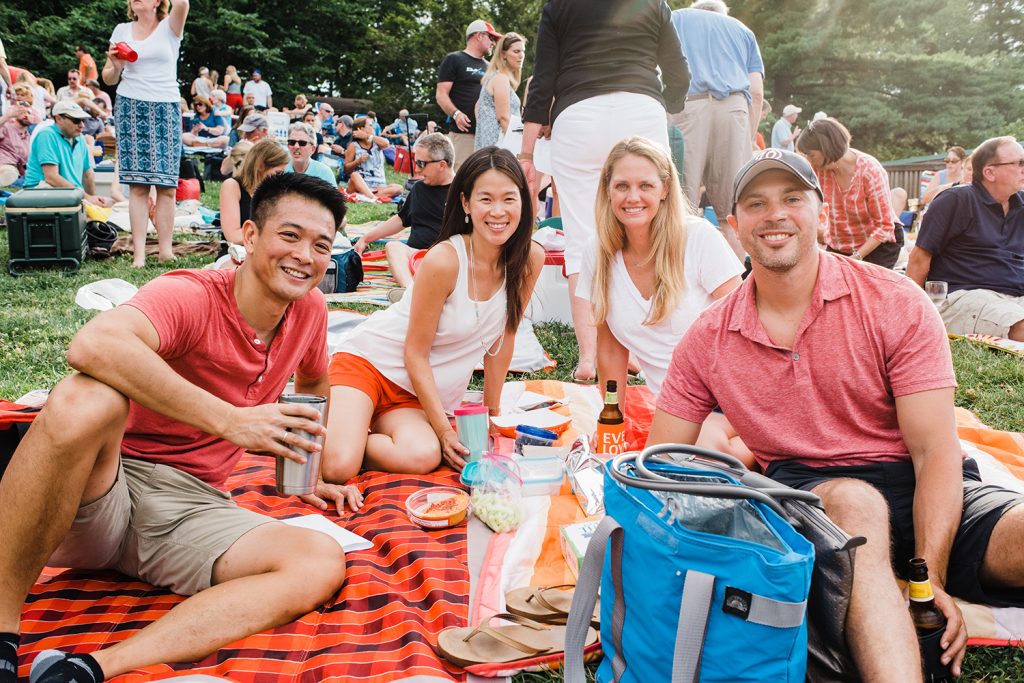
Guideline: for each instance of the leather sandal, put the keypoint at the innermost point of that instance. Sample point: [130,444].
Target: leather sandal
[522,639]
[548,605]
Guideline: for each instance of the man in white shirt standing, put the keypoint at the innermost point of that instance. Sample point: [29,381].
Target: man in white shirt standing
[260,90]
[784,133]
[202,86]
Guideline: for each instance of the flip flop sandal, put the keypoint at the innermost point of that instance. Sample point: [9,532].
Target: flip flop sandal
[584,380]
[499,644]
[548,605]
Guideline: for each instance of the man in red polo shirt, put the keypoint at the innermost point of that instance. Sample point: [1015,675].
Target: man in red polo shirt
[125,466]
[837,375]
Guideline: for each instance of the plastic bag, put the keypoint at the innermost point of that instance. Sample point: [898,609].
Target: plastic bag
[497,493]
[736,518]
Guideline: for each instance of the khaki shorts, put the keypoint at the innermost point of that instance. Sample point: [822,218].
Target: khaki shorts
[157,524]
[981,311]
[463,144]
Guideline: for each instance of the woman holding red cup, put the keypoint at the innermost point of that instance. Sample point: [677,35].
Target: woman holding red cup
[146,114]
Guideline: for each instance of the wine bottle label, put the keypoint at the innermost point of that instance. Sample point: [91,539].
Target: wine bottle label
[611,439]
[921,591]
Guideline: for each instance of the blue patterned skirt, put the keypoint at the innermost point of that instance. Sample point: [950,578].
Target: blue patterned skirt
[148,142]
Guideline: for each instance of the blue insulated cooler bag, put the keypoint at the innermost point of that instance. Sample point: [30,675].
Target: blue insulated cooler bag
[705,579]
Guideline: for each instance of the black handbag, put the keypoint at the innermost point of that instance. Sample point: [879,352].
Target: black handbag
[828,659]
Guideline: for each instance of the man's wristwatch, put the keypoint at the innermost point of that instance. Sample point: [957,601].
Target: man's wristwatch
[856,256]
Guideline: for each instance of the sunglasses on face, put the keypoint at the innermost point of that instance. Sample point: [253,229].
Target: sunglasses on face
[1019,163]
[300,143]
[952,161]
[424,164]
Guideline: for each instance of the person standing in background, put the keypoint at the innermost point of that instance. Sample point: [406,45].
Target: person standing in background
[146,116]
[202,86]
[499,110]
[458,85]
[260,90]
[233,87]
[723,104]
[785,131]
[86,64]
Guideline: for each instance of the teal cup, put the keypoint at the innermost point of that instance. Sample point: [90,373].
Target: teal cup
[471,424]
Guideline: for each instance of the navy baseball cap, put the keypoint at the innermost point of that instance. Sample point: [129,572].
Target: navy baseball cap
[773,158]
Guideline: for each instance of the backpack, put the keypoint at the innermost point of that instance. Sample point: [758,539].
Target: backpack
[350,270]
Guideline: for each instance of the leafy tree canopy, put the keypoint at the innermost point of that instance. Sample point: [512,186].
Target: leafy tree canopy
[907,78]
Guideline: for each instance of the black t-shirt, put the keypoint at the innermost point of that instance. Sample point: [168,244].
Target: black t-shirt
[464,71]
[422,211]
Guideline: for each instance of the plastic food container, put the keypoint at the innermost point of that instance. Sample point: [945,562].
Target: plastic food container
[541,476]
[438,507]
[527,435]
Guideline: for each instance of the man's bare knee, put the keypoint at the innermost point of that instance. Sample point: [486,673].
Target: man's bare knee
[319,570]
[856,506]
[83,406]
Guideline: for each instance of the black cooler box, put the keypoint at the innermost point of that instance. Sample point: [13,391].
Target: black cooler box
[46,226]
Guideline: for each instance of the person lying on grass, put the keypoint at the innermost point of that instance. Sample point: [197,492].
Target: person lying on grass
[125,466]
[407,366]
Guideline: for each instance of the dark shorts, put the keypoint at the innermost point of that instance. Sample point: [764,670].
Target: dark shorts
[984,504]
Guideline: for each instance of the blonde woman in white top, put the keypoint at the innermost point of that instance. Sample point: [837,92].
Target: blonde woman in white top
[405,368]
[653,269]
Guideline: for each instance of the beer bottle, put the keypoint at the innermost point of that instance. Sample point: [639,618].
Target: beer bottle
[611,426]
[929,622]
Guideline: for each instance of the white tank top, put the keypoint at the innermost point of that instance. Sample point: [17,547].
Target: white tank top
[459,343]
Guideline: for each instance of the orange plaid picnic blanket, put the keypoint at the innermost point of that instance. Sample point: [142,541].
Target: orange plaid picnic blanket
[382,626]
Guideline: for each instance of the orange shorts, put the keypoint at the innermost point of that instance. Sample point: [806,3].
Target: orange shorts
[350,370]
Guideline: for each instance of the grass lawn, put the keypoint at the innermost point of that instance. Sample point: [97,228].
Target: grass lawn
[38,317]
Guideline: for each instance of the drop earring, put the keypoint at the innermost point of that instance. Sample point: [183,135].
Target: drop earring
[467,219]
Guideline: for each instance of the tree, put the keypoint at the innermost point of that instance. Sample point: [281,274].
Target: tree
[906,78]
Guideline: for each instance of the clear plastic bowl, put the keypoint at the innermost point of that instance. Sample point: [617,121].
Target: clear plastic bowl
[541,476]
[438,507]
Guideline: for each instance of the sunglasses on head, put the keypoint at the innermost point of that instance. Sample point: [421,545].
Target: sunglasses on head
[300,143]
[424,164]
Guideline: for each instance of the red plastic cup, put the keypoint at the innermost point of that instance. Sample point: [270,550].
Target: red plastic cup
[124,51]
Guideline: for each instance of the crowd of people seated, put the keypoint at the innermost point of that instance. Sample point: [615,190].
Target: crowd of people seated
[867,425]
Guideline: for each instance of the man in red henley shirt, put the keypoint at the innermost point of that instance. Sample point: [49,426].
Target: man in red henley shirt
[125,466]
[837,375]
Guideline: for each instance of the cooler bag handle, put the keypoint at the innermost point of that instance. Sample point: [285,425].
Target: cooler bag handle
[721,461]
[657,482]
[584,599]
[694,611]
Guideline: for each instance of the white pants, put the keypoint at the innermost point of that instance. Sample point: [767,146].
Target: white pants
[581,138]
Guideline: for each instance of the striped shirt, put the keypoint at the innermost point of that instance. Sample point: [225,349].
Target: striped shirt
[862,211]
